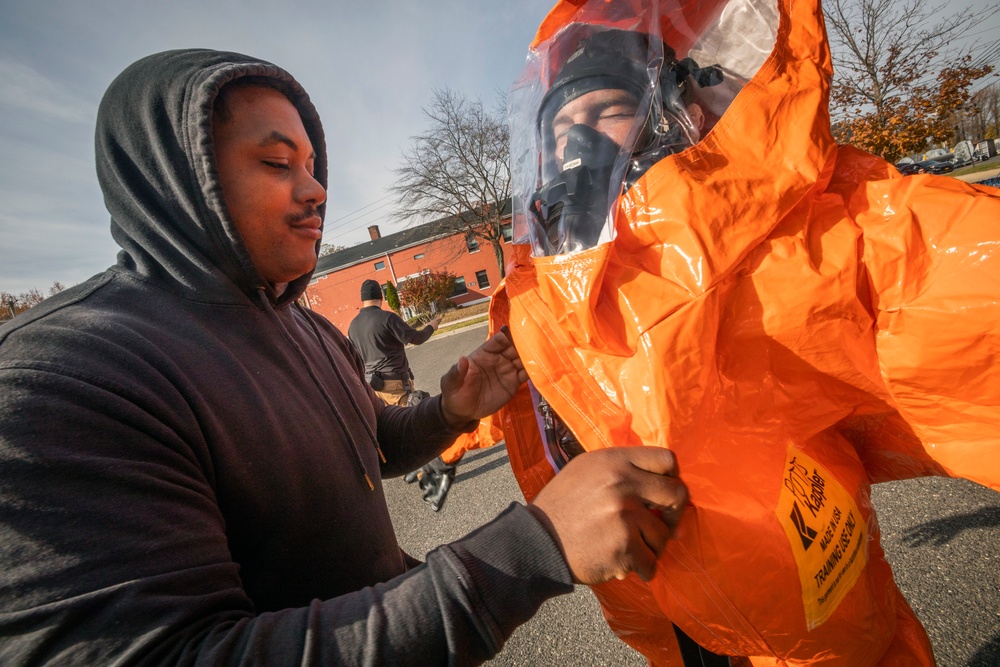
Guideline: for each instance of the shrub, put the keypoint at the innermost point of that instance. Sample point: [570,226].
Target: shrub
[392,297]
[427,292]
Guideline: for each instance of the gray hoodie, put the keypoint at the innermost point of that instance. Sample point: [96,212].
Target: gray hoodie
[184,454]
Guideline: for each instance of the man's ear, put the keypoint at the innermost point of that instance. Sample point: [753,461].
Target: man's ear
[697,116]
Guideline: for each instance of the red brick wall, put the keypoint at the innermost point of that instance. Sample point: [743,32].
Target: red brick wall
[337,295]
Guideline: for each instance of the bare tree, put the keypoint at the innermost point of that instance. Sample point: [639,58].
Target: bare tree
[980,118]
[8,306]
[459,169]
[991,105]
[11,305]
[897,81]
[329,248]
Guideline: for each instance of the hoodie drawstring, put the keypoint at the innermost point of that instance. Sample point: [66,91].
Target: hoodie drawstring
[266,303]
[336,371]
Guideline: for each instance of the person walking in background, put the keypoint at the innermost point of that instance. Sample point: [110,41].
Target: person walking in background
[381,336]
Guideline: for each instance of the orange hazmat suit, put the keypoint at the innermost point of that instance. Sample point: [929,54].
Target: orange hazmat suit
[487,435]
[792,318]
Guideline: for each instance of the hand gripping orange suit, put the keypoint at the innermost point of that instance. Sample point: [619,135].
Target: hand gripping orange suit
[792,318]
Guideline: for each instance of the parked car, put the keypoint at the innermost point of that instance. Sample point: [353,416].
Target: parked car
[938,165]
[907,168]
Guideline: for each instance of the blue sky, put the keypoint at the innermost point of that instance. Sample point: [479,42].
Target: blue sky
[370,67]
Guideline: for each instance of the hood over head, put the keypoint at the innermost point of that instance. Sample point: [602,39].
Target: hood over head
[684,62]
[156,166]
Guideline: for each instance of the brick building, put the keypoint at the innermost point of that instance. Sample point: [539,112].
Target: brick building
[335,291]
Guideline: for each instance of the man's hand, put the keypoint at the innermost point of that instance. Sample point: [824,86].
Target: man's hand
[599,509]
[435,323]
[482,382]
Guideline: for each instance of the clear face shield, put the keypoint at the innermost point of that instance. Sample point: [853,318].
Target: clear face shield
[618,104]
[599,104]
[604,99]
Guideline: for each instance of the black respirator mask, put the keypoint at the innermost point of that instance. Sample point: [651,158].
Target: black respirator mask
[572,206]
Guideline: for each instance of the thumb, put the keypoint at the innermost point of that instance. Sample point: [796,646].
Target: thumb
[452,380]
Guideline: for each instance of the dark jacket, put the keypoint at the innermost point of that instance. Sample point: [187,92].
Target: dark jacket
[184,454]
[381,337]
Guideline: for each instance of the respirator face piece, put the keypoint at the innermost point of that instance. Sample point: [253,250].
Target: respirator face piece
[571,207]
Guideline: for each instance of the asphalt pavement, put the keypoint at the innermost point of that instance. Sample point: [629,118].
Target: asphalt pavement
[942,537]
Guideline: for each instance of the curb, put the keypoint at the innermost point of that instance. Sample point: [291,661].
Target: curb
[445,334]
[978,176]
[452,332]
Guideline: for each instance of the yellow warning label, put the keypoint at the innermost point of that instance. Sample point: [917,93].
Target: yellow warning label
[826,533]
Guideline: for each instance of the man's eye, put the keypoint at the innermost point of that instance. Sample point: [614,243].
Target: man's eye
[617,115]
[276,165]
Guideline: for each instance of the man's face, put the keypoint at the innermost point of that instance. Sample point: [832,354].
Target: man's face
[265,162]
[610,112]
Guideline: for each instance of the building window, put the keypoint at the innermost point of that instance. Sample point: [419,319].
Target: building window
[472,242]
[419,255]
[379,266]
[483,279]
[507,231]
[460,287]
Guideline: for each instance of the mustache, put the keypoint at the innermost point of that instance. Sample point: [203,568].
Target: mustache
[305,214]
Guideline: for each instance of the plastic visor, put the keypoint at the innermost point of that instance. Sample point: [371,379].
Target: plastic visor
[564,195]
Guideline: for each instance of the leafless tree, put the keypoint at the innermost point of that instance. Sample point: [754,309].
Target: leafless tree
[990,102]
[980,118]
[11,305]
[459,169]
[329,248]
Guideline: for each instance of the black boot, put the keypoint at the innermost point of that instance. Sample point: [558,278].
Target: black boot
[428,479]
[411,476]
[444,485]
[429,483]
[439,476]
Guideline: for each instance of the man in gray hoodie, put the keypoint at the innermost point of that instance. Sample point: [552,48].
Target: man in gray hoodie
[190,461]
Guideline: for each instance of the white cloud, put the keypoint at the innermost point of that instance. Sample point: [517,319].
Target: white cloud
[23,87]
